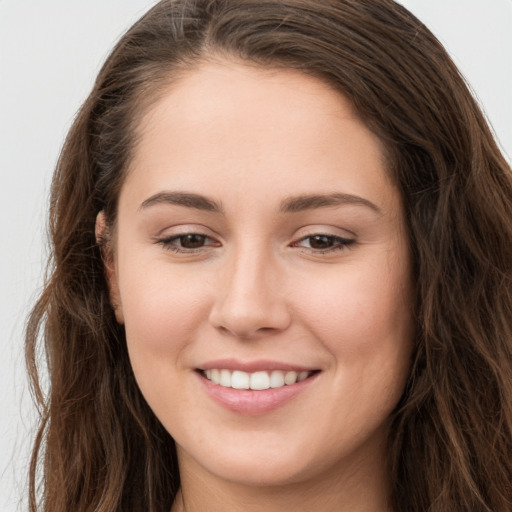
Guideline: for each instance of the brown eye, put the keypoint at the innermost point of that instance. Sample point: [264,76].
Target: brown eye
[321,242]
[192,241]
[187,243]
[324,243]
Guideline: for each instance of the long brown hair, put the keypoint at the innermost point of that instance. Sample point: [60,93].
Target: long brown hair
[99,446]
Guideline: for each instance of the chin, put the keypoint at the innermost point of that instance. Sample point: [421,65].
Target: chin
[261,473]
[256,464]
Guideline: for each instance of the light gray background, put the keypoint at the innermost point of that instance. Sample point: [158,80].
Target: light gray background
[50,52]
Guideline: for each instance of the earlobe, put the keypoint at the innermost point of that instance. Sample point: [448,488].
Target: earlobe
[104,241]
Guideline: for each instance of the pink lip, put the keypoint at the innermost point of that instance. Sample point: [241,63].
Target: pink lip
[252,366]
[249,402]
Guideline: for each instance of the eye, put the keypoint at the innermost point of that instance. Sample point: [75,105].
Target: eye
[191,241]
[324,243]
[187,242]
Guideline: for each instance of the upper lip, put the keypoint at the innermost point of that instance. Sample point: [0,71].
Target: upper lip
[253,366]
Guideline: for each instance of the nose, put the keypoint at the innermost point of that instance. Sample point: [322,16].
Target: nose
[250,299]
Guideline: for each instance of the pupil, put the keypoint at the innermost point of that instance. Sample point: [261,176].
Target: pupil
[321,242]
[192,241]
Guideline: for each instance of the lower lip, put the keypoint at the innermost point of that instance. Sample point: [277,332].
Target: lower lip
[250,402]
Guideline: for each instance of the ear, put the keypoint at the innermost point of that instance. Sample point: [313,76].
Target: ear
[104,240]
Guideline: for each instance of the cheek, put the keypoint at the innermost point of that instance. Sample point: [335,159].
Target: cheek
[161,308]
[162,312]
[363,317]
[358,309]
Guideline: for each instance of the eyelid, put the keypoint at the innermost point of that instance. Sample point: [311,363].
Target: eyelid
[338,242]
[168,244]
[324,229]
[183,229]
[167,238]
[341,241]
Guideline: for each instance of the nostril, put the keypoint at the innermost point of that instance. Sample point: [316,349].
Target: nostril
[246,317]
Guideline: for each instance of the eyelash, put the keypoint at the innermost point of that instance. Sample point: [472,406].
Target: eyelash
[338,243]
[170,243]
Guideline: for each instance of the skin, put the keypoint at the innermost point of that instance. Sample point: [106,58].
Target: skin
[256,286]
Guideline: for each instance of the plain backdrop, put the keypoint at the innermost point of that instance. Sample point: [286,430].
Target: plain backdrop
[50,52]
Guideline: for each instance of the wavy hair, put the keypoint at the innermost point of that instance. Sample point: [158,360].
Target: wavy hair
[99,446]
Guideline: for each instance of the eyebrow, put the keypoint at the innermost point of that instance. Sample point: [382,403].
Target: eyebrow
[289,205]
[186,199]
[309,202]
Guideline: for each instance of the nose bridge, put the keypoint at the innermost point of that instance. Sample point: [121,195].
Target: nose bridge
[250,298]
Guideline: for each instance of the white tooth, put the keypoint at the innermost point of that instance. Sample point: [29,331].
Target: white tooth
[290,378]
[240,380]
[208,374]
[215,376]
[260,380]
[302,376]
[276,379]
[225,378]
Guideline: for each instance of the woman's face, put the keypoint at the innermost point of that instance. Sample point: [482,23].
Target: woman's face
[260,243]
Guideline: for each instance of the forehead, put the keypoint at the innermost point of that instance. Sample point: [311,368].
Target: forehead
[234,127]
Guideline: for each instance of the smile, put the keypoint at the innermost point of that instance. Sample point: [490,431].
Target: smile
[252,388]
[260,380]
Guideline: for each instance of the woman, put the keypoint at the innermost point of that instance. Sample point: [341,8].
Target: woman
[281,272]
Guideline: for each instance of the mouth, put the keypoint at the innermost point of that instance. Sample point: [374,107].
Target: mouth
[257,387]
[256,381]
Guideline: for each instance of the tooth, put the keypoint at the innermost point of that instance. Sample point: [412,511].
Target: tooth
[276,379]
[215,376]
[260,380]
[290,378]
[240,380]
[225,378]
